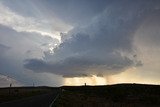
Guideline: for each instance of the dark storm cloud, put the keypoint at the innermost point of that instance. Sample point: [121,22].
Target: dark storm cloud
[18,46]
[105,46]
[79,66]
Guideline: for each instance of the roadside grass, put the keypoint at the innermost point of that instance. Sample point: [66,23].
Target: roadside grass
[15,93]
[121,95]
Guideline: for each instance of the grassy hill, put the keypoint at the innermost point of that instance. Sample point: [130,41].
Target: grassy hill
[120,95]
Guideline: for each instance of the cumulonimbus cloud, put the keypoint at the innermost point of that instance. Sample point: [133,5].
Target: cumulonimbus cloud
[105,46]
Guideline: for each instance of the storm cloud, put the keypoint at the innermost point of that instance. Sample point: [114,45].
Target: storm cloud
[102,46]
[49,42]
[18,46]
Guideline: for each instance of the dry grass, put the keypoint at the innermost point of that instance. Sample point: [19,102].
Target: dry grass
[128,95]
[14,93]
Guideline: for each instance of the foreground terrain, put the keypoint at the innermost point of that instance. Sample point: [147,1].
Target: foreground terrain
[27,96]
[121,95]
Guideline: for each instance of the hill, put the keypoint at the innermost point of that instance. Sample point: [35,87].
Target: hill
[120,95]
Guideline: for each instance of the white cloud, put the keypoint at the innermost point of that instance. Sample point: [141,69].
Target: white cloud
[20,23]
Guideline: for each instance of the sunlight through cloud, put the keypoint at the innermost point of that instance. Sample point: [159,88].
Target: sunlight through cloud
[93,80]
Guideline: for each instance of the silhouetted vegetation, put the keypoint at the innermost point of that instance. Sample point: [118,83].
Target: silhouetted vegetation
[120,95]
[15,93]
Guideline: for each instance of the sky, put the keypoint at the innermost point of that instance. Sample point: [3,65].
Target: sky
[72,42]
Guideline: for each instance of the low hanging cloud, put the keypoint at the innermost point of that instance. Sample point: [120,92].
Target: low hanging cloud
[103,46]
